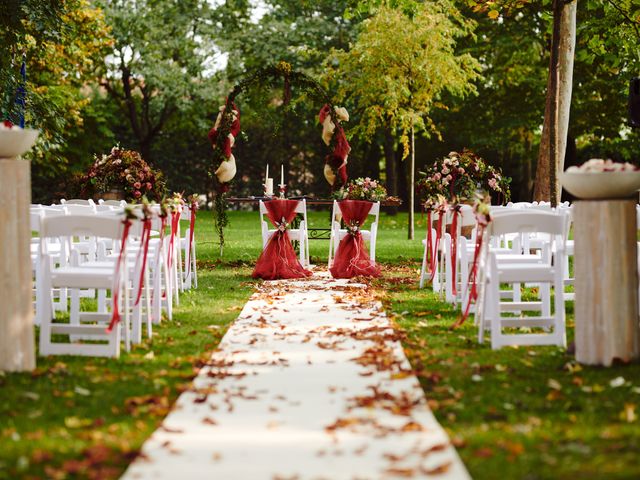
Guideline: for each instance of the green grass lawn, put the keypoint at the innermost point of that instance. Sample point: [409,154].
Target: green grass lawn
[515,413]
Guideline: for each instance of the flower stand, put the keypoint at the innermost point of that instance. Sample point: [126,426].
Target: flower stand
[17,342]
[606,282]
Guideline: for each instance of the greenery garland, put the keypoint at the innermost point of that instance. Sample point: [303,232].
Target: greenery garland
[268,75]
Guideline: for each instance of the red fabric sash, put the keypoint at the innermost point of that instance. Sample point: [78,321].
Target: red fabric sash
[144,243]
[115,293]
[175,222]
[278,259]
[430,254]
[352,258]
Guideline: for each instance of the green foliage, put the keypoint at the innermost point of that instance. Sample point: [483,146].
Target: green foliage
[400,67]
[63,42]
[160,64]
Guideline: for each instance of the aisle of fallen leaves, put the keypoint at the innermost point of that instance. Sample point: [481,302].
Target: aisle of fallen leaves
[364,414]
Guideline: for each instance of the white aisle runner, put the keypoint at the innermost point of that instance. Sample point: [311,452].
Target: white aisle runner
[310,382]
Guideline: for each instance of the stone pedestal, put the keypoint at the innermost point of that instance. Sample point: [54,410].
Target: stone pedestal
[17,342]
[606,281]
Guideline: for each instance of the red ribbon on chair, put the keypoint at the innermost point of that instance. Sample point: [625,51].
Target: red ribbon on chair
[278,259]
[192,226]
[144,243]
[429,238]
[115,294]
[352,257]
[473,273]
[175,222]
[454,248]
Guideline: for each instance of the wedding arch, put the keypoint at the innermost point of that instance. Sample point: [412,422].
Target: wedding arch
[227,128]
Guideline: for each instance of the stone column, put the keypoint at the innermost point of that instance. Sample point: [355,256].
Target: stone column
[17,336]
[606,281]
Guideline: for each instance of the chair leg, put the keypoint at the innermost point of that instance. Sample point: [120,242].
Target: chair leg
[74,310]
[194,268]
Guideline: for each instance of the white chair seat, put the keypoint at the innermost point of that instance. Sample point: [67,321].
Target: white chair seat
[81,277]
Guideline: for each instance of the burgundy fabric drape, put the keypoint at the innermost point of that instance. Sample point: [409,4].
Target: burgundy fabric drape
[352,258]
[278,259]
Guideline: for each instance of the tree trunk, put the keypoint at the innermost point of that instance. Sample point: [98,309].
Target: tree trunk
[412,184]
[565,25]
[390,167]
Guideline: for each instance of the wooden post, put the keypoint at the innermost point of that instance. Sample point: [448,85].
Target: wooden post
[606,282]
[17,342]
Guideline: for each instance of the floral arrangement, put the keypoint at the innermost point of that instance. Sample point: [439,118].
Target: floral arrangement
[456,178]
[123,170]
[362,189]
[598,165]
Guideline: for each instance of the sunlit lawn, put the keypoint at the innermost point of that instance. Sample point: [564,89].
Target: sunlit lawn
[514,413]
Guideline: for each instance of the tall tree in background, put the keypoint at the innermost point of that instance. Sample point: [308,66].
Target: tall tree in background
[558,105]
[398,71]
[160,62]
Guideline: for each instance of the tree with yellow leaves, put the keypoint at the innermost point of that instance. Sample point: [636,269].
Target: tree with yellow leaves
[399,69]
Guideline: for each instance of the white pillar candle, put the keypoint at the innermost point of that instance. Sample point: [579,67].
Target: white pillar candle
[282,174]
[268,187]
[266,176]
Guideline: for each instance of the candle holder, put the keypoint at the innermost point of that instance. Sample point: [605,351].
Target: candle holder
[268,187]
[283,189]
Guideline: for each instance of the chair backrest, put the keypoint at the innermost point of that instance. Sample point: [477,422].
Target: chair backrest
[77,201]
[467,217]
[39,212]
[103,226]
[528,221]
[113,203]
[74,209]
[300,208]
[104,208]
[375,211]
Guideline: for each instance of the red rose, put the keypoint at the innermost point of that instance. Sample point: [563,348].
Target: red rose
[149,186]
[8,123]
[137,185]
[137,194]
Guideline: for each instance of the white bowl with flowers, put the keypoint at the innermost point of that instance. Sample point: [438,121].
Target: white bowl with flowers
[600,179]
[14,141]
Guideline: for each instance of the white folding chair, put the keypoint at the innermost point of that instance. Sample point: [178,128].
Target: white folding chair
[338,233]
[299,234]
[78,276]
[548,271]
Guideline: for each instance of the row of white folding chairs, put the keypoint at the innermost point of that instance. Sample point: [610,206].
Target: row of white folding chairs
[160,277]
[515,248]
[506,246]
[86,333]
[185,246]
